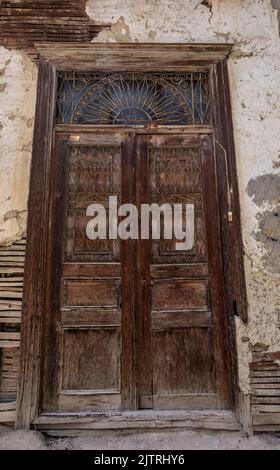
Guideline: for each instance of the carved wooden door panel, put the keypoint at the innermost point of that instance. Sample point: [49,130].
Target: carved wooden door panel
[88,338]
[181,322]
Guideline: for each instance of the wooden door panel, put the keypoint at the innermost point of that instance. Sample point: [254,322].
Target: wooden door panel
[82,368]
[170,295]
[176,177]
[179,316]
[94,174]
[84,342]
[98,293]
[183,356]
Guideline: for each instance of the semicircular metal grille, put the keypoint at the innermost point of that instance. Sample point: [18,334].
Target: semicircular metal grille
[133,98]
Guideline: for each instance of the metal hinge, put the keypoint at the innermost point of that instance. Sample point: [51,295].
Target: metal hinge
[74,138]
[230,217]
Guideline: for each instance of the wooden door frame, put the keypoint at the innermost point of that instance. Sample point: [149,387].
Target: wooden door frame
[109,58]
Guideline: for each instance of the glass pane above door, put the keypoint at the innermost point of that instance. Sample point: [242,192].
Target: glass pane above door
[133,98]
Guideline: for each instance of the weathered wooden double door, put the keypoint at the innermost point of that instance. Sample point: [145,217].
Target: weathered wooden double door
[133,324]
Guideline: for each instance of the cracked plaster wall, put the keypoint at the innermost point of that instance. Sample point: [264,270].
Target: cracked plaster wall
[17,106]
[254,66]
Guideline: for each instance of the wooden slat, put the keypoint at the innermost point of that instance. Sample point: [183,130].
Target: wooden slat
[265,401]
[4,252]
[9,336]
[10,320]
[264,408]
[167,320]
[10,304]
[8,376]
[259,386]
[266,418]
[265,386]
[95,318]
[179,271]
[11,270]
[10,313]
[10,406]
[92,270]
[20,242]
[143,419]
[7,416]
[22,24]
[163,56]
[9,344]
[265,373]
[267,392]
[5,294]
[11,262]
[265,380]
[5,284]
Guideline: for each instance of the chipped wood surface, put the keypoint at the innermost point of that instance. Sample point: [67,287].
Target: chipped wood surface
[141,420]
[106,57]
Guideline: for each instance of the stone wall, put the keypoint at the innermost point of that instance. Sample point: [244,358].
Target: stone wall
[254,66]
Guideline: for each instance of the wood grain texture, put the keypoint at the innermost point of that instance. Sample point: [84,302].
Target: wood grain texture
[180,295]
[91,359]
[132,56]
[23,23]
[29,378]
[128,367]
[231,237]
[142,292]
[82,344]
[187,352]
[11,286]
[91,293]
[9,361]
[265,387]
[141,419]
[92,402]
[226,165]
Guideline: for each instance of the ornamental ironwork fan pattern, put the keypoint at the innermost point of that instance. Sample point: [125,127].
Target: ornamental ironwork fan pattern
[133,98]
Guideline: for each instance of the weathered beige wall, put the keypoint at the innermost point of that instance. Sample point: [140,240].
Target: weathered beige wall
[254,66]
[17,105]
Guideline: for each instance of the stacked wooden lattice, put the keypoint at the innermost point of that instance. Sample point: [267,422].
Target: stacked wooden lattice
[24,23]
[11,287]
[265,384]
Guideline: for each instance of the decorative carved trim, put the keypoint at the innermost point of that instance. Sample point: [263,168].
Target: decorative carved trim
[142,57]
[94,174]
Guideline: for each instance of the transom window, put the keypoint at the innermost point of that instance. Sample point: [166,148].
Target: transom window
[133,98]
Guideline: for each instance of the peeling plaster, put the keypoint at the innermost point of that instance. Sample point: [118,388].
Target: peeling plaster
[14,221]
[119,31]
[269,237]
[264,188]
[3,86]
[17,108]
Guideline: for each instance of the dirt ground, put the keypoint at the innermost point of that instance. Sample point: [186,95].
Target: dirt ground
[138,440]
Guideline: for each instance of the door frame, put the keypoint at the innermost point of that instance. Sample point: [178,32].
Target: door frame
[110,58]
